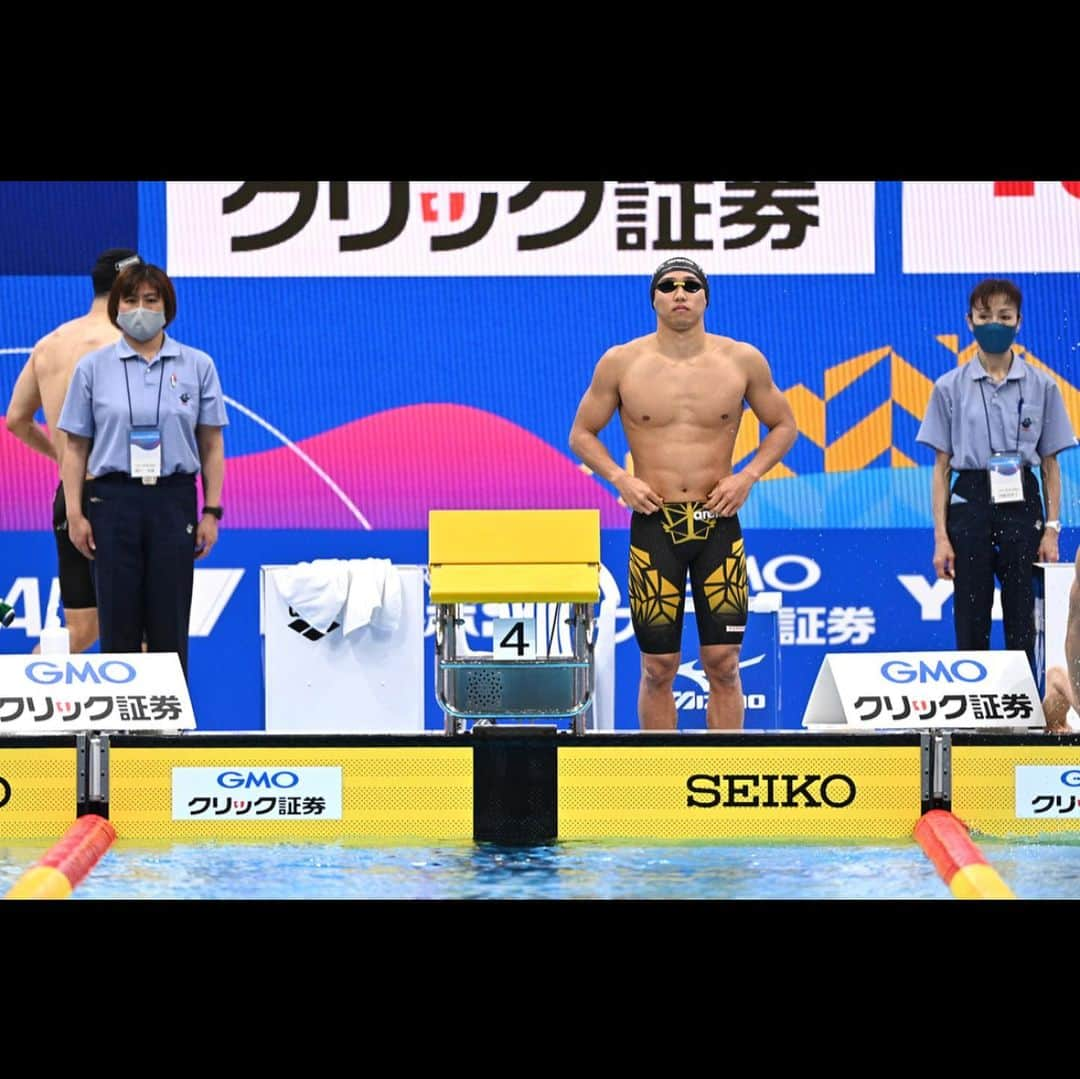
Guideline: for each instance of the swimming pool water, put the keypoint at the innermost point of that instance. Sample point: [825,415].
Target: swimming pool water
[571,871]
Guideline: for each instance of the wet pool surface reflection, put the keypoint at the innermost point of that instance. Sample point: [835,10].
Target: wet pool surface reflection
[571,871]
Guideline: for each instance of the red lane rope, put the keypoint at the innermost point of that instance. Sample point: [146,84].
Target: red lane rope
[66,863]
[947,843]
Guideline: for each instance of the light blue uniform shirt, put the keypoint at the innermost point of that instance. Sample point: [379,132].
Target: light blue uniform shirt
[1023,412]
[97,404]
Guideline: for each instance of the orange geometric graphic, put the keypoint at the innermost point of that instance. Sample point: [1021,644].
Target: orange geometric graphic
[809,412]
[838,378]
[911,389]
[863,443]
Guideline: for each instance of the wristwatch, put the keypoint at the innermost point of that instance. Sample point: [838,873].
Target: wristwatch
[214,511]
[1055,525]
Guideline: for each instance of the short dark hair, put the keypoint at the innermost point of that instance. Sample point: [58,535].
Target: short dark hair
[131,278]
[105,269]
[985,291]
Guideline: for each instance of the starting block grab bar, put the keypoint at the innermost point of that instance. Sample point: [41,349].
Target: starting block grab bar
[515,557]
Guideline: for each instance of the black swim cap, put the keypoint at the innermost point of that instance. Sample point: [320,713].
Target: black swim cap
[106,269]
[679,262]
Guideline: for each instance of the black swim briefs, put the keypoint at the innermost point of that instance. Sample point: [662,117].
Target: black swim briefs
[681,537]
[74,570]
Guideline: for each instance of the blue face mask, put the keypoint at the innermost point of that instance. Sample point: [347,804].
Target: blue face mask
[994,337]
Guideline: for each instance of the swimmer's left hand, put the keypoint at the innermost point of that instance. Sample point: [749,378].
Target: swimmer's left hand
[729,494]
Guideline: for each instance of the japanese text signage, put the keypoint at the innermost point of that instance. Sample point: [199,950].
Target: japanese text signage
[312,228]
[256,793]
[47,694]
[891,691]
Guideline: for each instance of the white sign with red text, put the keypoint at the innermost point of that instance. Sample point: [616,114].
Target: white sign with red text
[500,228]
[877,691]
[992,227]
[257,793]
[61,693]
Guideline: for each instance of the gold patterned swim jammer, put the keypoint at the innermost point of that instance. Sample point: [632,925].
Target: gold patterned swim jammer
[678,538]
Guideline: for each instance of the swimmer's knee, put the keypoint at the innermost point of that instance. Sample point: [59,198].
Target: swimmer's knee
[658,670]
[720,662]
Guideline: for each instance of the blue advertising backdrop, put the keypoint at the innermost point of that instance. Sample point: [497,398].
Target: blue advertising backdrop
[360,400]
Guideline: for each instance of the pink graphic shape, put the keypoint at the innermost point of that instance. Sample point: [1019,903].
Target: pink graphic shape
[394,466]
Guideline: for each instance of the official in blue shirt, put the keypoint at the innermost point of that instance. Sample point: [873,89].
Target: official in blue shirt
[992,422]
[144,417]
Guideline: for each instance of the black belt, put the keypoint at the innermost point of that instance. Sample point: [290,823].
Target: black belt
[983,471]
[176,479]
[974,484]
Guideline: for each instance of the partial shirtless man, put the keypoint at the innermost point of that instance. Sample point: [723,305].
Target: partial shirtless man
[1063,683]
[42,384]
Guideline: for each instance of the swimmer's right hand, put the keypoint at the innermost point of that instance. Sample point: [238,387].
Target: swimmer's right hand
[638,495]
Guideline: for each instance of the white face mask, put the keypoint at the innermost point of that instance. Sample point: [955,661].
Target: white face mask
[142,324]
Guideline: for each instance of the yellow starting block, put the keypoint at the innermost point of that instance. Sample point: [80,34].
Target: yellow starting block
[514,557]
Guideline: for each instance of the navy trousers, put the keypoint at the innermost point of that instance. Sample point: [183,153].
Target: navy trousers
[995,542]
[144,564]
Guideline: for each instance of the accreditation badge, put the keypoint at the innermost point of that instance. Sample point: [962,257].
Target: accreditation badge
[1006,477]
[144,445]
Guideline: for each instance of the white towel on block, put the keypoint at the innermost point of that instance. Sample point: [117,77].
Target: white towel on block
[375,596]
[316,590]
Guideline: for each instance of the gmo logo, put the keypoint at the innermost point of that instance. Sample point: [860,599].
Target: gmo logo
[960,670]
[47,673]
[270,780]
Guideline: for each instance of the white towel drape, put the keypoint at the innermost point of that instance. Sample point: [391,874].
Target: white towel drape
[375,597]
[354,593]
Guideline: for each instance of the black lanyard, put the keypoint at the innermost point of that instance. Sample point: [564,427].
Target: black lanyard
[161,379]
[986,413]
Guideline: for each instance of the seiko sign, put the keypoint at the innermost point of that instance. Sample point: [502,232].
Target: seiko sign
[770,791]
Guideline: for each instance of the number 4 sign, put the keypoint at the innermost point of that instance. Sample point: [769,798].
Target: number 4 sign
[514,638]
